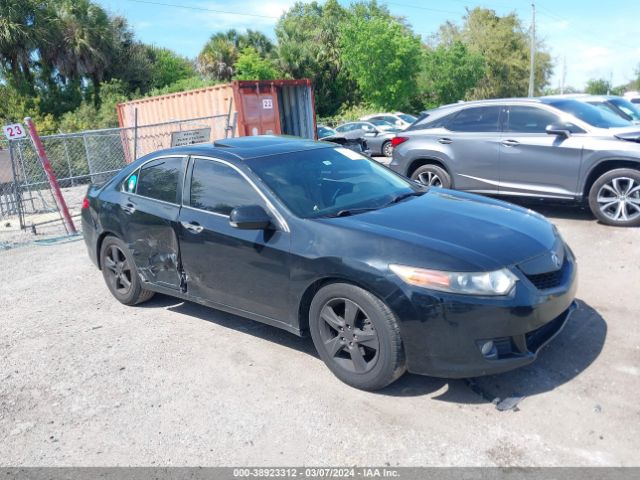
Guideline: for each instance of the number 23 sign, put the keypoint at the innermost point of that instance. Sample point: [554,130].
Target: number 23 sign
[14,131]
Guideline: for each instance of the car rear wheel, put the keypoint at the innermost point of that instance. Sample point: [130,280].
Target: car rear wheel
[432,176]
[357,336]
[614,198]
[387,149]
[120,273]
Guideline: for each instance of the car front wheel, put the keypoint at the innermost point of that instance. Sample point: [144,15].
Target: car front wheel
[357,336]
[432,176]
[614,198]
[120,273]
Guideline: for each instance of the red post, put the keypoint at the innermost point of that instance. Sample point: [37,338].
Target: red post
[51,176]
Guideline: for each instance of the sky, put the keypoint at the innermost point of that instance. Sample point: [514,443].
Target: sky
[593,38]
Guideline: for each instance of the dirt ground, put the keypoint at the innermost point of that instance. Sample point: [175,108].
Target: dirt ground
[86,381]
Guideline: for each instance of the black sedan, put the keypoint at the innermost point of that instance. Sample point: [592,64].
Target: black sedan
[385,274]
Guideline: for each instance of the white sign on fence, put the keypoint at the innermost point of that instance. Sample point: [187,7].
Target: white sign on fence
[267,103]
[189,137]
[14,131]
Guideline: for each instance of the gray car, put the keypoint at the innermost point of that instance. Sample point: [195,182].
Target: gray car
[377,133]
[555,148]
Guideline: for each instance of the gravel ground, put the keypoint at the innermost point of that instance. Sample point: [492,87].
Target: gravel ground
[86,381]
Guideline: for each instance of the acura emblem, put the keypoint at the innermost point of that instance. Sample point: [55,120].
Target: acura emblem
[555,259]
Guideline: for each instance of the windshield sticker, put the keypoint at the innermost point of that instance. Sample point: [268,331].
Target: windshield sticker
[327,162]
[350,154]
[132,183]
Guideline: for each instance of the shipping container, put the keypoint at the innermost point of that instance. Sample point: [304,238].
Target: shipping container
[277,107]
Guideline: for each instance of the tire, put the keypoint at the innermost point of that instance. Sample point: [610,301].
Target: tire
[369,328]
[120,273]
[387,149]
[432,176]
[614,198]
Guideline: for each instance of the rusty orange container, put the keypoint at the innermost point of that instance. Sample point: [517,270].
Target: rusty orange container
[255,108]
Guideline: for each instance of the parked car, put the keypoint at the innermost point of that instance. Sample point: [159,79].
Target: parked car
[549,148]
[324,131]
[399,119]
[613,103]
[378,135]
[353,140]
[314,238]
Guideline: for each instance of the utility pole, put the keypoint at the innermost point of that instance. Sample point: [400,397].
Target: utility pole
[532,65]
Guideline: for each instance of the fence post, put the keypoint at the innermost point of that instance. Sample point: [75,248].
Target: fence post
[16,187]
[51,176]
[135,134]
[66,154]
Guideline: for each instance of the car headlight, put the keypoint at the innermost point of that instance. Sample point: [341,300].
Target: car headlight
[498,282]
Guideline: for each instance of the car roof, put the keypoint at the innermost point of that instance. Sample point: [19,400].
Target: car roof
[245,148]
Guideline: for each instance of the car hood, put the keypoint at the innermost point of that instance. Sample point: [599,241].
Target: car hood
[454,230]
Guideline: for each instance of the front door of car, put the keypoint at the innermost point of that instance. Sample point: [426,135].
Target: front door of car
[243,269]
[471,142]
[148,212]
[533,162]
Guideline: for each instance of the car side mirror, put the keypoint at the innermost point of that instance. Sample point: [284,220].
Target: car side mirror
[250,217]
[561,129]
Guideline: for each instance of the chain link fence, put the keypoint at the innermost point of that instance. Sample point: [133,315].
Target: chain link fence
[82,158]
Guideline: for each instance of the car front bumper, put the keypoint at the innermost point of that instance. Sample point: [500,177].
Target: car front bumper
[444,335]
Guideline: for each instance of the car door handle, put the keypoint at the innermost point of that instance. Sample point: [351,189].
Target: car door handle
[510,143]
[445,140]
[193,227]
[128,208]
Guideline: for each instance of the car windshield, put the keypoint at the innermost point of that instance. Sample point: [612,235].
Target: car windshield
[407,118]
[330,182]
[627,107]
[325,132]
[590,114]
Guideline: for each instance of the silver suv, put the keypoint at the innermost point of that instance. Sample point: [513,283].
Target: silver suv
[547,148]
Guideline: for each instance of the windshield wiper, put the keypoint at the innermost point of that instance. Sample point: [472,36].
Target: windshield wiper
[402,196]
[350,211]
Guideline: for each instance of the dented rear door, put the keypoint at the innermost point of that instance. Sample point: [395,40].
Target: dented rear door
[149,210]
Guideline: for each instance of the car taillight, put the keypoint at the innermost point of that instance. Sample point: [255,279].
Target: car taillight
[85,203]
[395,141]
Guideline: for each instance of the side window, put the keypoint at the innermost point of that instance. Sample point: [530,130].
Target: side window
[367,127]
[475,119]
[219,188]
[159,179]
[530,119]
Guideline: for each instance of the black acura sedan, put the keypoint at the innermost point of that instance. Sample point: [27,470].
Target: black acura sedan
[386,275]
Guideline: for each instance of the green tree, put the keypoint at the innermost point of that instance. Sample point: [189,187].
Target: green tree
[598,86]
[308,47]
[504,44]
[168,67]
[449,73]
[383,58]
[219,55]
[251,66]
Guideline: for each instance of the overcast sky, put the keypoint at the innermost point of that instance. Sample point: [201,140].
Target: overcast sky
[598,39]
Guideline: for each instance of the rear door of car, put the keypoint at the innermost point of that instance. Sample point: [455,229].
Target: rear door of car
[148,211]
[533,162]
[243,269]
[471,141]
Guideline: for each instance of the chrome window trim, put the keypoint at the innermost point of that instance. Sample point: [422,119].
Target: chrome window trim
[138,171]
[283,223]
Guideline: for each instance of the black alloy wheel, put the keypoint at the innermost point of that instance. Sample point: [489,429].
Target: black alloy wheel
[357,336]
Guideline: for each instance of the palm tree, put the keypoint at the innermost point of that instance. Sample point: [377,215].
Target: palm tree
[85,49]
[24,26]
[219,55]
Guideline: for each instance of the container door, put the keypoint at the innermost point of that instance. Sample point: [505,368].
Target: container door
[260,113]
